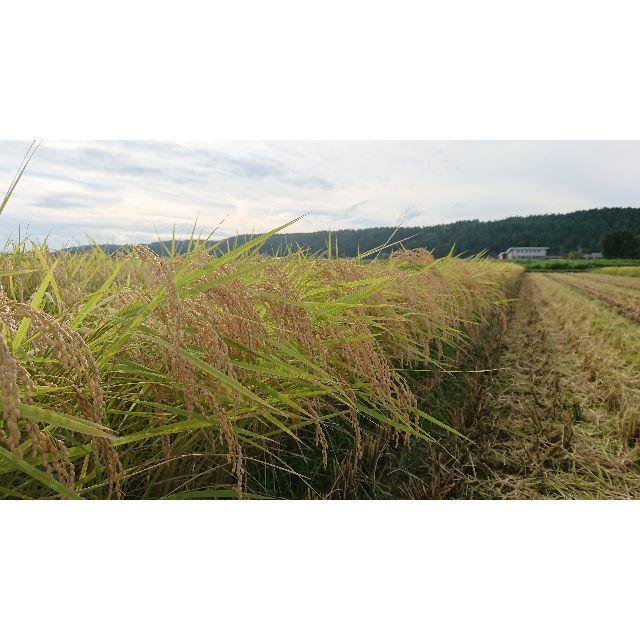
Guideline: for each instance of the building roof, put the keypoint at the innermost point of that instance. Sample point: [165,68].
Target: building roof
[512,248]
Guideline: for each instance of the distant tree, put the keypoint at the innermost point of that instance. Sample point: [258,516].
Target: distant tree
[580,231]
[621,244]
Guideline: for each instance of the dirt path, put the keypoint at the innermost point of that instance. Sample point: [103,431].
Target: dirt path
[563,415]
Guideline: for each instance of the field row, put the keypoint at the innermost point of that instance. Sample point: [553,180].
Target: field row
[230,375]
[563,417]
[238,375]
[633,272]
[622,296]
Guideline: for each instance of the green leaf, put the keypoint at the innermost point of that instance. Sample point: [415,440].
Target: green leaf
[36,303]
[62,420]
[24,466]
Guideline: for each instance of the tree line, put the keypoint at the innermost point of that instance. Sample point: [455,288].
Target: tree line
[578,232]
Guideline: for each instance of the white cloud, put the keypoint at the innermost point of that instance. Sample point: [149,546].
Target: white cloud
[128,191]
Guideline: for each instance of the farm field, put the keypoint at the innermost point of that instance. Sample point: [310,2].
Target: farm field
[622,296]
[620,266]
[621,271]
[229,374]
[563,415]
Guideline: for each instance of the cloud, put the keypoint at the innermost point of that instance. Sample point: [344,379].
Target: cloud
[124,190]
[356,206]
[66,200]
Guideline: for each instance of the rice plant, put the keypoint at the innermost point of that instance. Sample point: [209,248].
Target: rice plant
[226,373]
[621,271]
[221,372]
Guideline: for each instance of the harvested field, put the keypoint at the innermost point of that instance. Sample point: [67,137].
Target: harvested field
[624,298]
[617,281]
[563,417]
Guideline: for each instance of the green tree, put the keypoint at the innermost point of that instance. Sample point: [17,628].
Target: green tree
[620,244]
[581,231]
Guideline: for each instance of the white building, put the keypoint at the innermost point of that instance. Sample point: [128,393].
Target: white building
[513,253]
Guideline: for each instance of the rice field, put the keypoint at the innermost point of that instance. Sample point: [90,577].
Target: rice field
[633,272]
[224,373]
[627,266]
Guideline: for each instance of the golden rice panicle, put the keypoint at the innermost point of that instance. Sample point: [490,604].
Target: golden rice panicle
[321,440]
[228,435]
[292,320]
[10,395]
[227,302]
[198,319]
[108,458]
[192,324]
[364,358]
[52,453]
[69,349]
[235,315]
[172,317]
[418,257]
[209,390]
[319,437]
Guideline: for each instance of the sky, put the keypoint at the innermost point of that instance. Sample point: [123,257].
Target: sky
[137,191]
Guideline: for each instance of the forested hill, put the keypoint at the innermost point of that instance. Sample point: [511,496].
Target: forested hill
[580,230]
